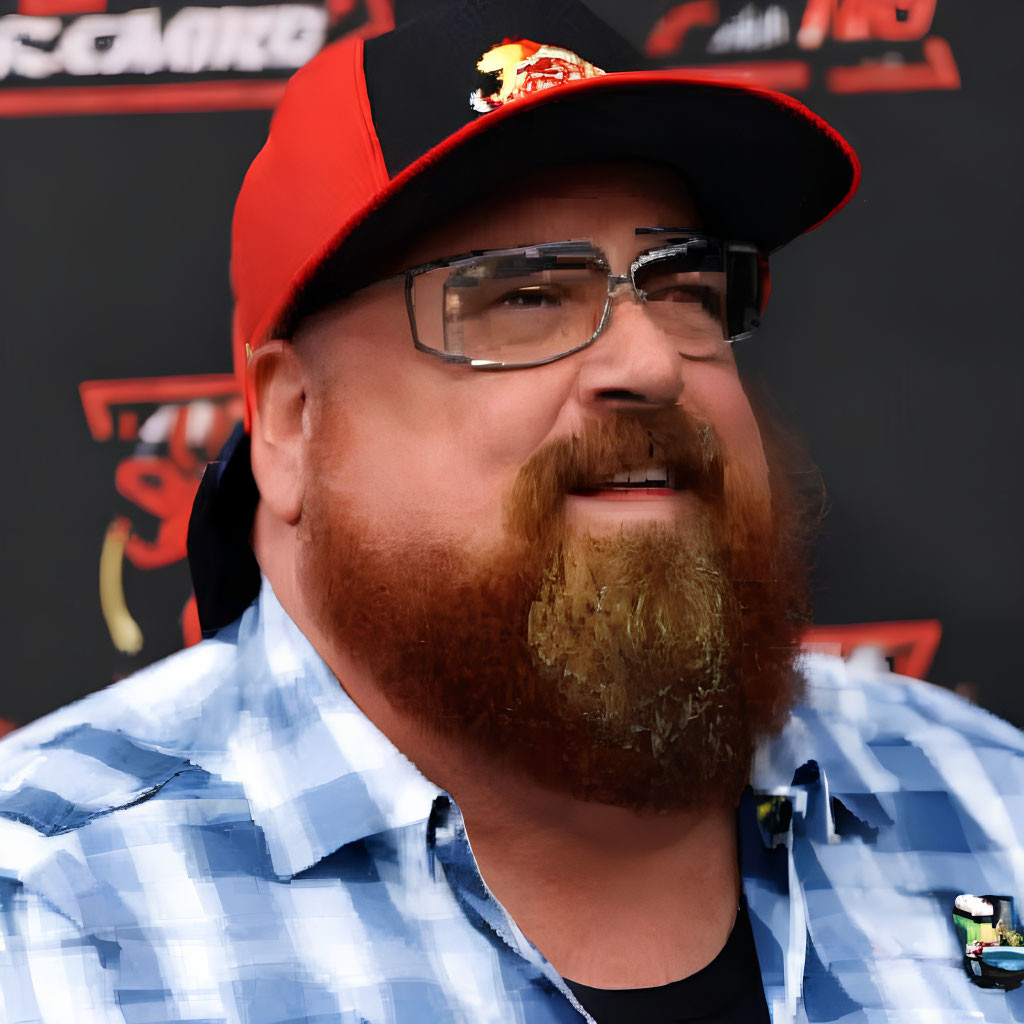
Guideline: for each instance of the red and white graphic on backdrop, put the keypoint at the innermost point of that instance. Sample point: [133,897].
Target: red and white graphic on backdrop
[61,57]
[908,648]
[83,57]
[845,46]
[169,428]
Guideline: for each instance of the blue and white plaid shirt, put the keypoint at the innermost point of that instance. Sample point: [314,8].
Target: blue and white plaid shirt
[225,837]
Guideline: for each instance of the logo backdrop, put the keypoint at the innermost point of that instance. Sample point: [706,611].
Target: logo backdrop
[126,131]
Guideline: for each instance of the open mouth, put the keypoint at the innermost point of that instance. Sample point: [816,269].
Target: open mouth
[633,479]
[651,481]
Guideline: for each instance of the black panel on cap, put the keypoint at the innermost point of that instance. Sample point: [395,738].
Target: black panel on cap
[419,78]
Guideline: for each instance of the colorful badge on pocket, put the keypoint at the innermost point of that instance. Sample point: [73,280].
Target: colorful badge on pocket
[993,941]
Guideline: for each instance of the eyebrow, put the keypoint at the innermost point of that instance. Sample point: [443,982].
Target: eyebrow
[655,231]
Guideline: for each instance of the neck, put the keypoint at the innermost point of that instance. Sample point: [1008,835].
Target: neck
[608,894]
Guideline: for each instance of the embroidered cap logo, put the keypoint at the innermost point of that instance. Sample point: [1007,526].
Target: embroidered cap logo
[523,66]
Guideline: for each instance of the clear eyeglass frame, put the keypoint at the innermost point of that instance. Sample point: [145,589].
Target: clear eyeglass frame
[745,269]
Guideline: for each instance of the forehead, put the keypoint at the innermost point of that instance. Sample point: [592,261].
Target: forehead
[603,202]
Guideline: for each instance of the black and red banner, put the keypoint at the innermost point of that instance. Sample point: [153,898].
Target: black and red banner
[106,56]
[126,131]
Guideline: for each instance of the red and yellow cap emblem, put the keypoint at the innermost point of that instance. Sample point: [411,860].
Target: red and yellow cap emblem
[523,67]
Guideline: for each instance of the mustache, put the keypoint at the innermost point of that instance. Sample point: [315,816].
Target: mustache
[586,460]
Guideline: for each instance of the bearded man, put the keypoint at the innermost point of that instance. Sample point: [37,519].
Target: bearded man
[505,720]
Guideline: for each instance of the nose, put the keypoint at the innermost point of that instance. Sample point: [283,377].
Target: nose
[632,363]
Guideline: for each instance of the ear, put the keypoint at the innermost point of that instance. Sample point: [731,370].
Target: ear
[278,388]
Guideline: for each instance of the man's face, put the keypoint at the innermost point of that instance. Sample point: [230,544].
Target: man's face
[424,447]
[456,536]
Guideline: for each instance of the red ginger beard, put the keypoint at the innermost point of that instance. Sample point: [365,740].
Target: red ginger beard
[638,669]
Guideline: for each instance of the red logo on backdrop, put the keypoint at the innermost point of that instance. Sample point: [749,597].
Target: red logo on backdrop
[907,647]
[80,57]
[847,46]
[171,427]
[44,8]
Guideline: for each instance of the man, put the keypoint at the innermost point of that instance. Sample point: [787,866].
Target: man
[507,724]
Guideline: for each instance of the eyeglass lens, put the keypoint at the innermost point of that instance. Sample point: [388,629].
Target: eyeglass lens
[523,307]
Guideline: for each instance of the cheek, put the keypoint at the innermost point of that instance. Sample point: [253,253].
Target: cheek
[719,397]
[431,447]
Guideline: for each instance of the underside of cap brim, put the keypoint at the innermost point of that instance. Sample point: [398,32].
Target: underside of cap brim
[760,166]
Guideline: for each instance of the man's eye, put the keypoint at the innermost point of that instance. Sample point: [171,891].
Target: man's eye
[530,298]
[680,293]
[693,296]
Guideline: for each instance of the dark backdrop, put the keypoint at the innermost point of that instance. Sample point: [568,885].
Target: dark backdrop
[892,343]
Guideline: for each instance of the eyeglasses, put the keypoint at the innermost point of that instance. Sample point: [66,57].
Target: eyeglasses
[505,309]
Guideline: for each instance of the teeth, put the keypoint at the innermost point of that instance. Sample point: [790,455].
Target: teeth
[652,474]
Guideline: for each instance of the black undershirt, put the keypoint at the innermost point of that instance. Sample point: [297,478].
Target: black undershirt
[727,991]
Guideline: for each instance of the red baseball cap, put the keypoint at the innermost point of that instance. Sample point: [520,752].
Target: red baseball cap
[375,141]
